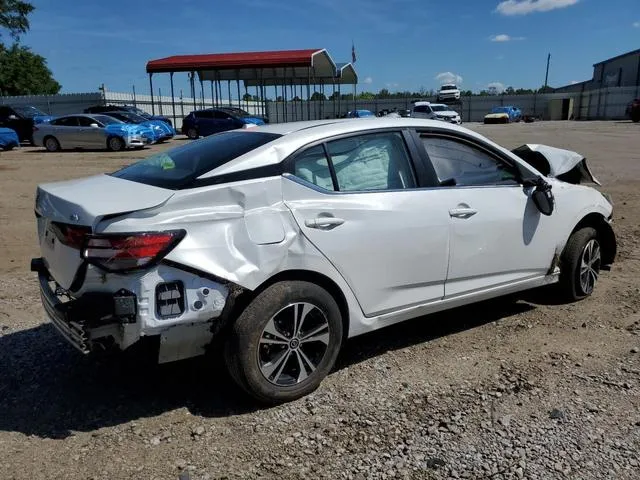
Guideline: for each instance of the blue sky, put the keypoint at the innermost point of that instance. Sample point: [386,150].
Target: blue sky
[400,44]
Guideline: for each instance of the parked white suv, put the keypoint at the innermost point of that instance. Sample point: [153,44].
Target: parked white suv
[448,91]
[436,111]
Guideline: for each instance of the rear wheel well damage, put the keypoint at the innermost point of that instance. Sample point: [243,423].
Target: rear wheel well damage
[605,234]
[241,298]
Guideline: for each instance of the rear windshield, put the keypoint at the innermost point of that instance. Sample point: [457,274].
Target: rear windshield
[178,167]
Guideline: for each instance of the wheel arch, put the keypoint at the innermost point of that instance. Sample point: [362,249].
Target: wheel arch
[245,298]
[605,233]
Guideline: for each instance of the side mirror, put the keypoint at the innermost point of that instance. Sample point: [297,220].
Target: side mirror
[94,125]
[13,117]
[543,198]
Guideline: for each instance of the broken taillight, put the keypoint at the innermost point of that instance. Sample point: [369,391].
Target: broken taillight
[70,235]
[129,251]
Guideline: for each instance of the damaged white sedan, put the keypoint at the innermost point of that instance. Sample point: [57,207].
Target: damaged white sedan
[284,240]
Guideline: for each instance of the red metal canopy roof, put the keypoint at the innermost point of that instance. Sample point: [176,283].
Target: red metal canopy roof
[188,63]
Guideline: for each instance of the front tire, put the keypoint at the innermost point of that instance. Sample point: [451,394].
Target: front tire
[285,342]
[192,133]
[580,264]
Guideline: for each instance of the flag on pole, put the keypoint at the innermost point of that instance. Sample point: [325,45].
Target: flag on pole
[353,53]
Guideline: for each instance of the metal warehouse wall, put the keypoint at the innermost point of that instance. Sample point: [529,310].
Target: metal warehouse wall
[623,72]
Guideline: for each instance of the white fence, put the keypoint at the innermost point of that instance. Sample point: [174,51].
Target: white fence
[68,103]
[604,104]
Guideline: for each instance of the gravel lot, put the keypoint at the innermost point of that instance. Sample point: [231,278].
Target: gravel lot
[512,388]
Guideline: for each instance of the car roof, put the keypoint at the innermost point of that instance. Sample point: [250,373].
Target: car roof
[295,135]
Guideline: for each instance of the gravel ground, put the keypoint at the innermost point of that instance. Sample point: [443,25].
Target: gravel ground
[519,387]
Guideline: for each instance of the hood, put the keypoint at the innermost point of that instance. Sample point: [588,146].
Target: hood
[448,114]
[254,120]
[564,165]
[496,115]
[126,129]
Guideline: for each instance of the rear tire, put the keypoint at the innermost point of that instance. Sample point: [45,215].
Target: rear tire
[115,144]
[285,342]
[51,144]
[192,133]
[635,117]
[580,264]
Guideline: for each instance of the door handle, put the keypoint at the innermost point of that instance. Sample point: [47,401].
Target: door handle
[462,212]
[323,222]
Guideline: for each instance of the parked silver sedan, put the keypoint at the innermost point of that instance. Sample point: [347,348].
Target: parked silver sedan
[90,131]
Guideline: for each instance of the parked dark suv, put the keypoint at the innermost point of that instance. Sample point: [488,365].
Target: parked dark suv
[633,110]
[201,123]
[22,119]
[126,108]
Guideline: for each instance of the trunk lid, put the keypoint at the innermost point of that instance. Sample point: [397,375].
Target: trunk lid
[83,203]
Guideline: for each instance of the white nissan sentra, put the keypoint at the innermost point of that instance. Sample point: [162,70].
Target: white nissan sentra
[284,240]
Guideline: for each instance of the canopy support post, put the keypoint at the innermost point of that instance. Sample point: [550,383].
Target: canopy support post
[153,108]
[173,100]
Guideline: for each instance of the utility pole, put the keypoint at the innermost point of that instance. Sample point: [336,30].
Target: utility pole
[546,77]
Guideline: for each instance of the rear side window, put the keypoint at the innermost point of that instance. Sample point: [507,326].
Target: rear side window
[179,167]
[313,166]
[361,163]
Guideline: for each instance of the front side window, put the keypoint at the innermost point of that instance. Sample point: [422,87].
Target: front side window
[465,165]
[85,121]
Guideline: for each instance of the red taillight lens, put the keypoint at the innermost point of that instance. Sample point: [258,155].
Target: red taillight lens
[70,235]
[129,251]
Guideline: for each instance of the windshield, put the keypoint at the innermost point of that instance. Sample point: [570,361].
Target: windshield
[448,87]
[106,120]
[127,117]
[179,167]
[440,108]
[28,112]
[137,111]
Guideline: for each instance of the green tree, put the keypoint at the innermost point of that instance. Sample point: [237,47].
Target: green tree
[546,89]
[318,96]
[13,17]
[23,72]
[384,93]
[366,96]
[509,91]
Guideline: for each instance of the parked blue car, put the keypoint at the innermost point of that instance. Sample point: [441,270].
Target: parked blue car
[126,108]
[162,131]
[201,123]
[360,114]
[505,114]
[8,139]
